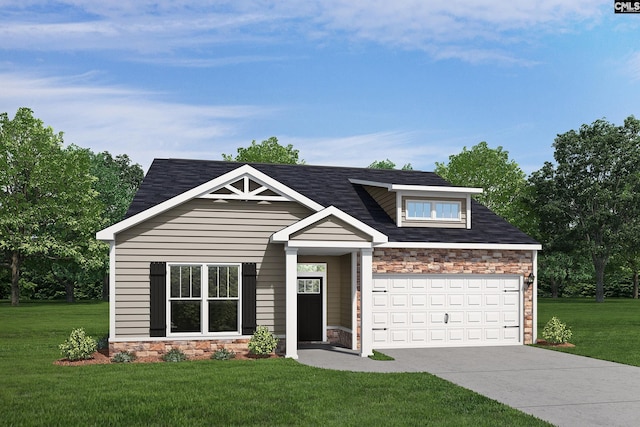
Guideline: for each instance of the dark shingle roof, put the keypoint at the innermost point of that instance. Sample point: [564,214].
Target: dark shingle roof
[328,186]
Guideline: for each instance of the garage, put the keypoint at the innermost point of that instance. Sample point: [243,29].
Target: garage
[448,310]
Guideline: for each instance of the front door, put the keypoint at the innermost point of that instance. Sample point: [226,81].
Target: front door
[310,309]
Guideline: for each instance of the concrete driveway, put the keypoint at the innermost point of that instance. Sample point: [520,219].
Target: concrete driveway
[561,388]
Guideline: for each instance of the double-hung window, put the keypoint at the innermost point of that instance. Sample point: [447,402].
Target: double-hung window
[204,298]
[433,210]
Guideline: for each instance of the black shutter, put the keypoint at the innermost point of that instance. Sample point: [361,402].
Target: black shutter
[249,273]
[158,296]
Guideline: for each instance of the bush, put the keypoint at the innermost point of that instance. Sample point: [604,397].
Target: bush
[223,354]
[174,355]
[79,346]
[124,357]
[103,342]
[556,332]
[262,342]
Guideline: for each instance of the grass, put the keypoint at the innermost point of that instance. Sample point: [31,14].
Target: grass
[380,356]
[34,391]
[608,331]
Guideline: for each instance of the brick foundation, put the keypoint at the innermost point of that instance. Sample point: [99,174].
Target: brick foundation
[339,337]
[190,347]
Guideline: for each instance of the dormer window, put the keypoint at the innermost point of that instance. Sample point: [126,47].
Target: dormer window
[433,210]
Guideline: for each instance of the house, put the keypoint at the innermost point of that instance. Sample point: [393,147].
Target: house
[364,258]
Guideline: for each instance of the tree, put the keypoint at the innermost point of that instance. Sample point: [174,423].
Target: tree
[268,151]
[117,183]
[49,208]
[503,181]
[593,191]
[388,164]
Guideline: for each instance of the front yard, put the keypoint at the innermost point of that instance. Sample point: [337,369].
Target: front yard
[34,391]
[608,331]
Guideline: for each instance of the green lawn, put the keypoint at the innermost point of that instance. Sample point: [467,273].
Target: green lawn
[609,330]
[33,391]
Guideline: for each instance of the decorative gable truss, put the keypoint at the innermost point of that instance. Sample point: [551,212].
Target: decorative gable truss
[246,188]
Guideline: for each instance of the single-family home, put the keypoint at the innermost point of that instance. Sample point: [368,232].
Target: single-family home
[363,258]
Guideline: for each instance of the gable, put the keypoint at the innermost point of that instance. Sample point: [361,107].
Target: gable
[331,229]
[242,183]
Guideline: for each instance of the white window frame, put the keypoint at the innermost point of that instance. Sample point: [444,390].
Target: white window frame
[433,204]
[204,300]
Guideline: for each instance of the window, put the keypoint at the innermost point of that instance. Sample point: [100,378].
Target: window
[433,210]
[204,298]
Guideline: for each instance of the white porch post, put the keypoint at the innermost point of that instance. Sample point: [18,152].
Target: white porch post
[354,300]
[534,307]
[366,289]
[291,271]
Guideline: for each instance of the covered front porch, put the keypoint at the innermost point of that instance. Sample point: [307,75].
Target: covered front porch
[328,279]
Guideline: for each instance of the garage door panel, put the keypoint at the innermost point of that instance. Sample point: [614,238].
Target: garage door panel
[438,300]
[419,319]
[446,310]
[399,301]
[399,320]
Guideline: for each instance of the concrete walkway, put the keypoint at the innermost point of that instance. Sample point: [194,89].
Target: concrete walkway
[563,389]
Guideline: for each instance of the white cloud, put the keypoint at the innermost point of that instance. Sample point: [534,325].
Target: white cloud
[445,29]
[122,120]
[401,147]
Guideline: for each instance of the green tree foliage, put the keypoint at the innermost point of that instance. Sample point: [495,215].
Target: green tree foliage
[502,180]
[117,183]
[268,151]
[591,197]
[49,206]
[388,164]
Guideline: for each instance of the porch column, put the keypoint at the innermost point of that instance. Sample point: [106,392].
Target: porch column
[366,296]
[291,272]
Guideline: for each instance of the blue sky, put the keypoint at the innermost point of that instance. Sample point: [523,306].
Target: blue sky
[346,82]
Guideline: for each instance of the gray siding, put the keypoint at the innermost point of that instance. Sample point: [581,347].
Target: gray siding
[204,231]
[331,229]
[385,198]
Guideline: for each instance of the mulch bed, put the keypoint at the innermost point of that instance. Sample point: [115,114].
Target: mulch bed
[101,357]
[548,344]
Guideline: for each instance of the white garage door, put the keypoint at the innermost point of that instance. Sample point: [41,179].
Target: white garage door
[446,310]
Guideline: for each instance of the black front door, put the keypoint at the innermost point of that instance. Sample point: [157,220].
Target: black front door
[309,309]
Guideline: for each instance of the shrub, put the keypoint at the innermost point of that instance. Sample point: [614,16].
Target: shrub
[174,355]
[103,342]
[79,346]
[124,357]
[556,332]
[223,354]
[262,342]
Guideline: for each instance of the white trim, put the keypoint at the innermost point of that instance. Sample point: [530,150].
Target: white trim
[354,300]
[433,215]
[285,234]
[204,300]
[112,290]
[436,189]
[468,211]
[319,244]
[180,338]
[291,302]
[366,299]
[204,189]
[246,197]
[399,209]
[421,188]
[445,245]
[534,307]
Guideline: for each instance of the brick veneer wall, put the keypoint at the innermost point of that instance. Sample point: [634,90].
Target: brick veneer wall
[189,347]
[460,261]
